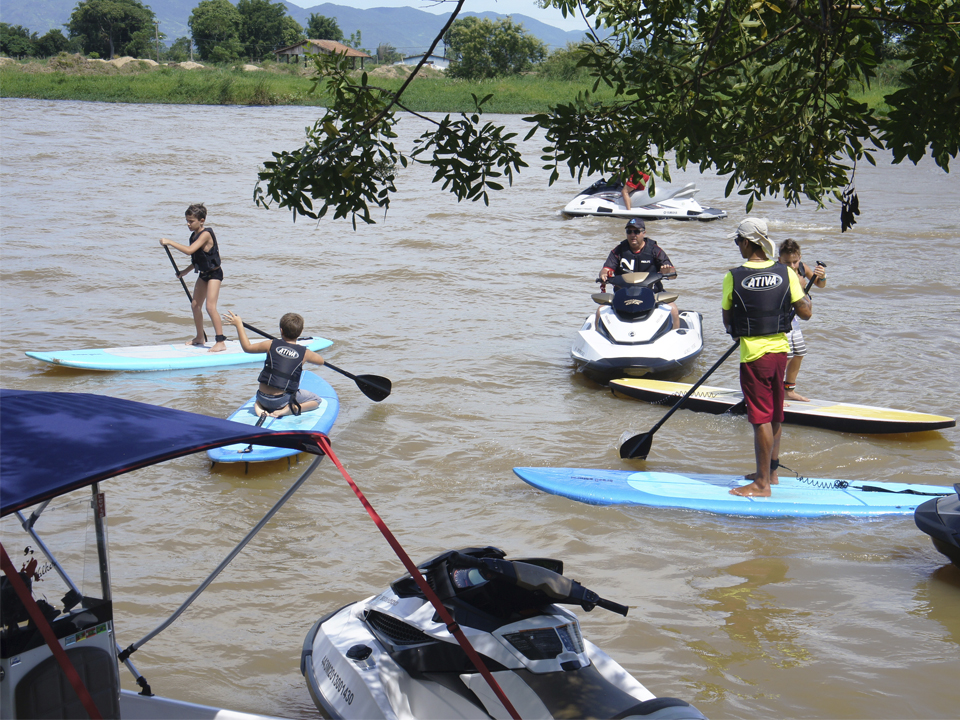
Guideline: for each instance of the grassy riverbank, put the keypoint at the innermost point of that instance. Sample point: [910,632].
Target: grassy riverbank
[73,78]
[140,82]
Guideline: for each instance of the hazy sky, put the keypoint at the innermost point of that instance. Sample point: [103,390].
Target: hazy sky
[504,7]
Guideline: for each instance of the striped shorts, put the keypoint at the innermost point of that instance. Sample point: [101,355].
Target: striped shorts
[797,346]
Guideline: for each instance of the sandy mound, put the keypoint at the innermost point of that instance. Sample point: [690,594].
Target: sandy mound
[250,68]
[190,65]
[402,71]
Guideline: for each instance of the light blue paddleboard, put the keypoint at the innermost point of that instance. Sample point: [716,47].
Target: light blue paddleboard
[791,498]
[320,420]
[175,356]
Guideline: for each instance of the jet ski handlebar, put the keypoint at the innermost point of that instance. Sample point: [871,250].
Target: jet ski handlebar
[539,579]
[643,279]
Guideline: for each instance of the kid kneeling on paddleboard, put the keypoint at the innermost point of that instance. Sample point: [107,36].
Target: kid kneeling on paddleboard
[279,393]
[205,256]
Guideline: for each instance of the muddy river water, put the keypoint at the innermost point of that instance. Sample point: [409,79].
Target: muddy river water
[471,311]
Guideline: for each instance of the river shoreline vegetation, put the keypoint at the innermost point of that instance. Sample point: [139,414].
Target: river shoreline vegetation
[73,77]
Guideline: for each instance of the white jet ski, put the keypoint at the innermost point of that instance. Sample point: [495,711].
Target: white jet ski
[603,199]
[390,656]
[632,334]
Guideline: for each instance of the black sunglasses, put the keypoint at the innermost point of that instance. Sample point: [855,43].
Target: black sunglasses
[633,231]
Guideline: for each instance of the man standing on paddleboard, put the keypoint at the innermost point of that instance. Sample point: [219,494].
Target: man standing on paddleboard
[757,301]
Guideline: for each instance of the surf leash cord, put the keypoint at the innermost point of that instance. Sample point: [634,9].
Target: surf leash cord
[428,592]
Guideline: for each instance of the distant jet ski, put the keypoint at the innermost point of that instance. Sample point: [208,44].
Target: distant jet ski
[604,199]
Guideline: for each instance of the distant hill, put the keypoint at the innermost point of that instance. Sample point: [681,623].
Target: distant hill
[409,30]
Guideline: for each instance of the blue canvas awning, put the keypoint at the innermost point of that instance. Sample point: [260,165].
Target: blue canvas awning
[52,443]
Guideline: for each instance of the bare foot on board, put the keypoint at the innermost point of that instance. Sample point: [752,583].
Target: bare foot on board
[795,396]
[194,343]
[218,347]
[751,490]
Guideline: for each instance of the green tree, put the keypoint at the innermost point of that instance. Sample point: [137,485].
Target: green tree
[354,40]
[292,32]
[482,48]
[263,27]
[762,93]
[320,27]
[387,54]
[566,63]
[52,43]
[215,27]
[179,51]
[110,27]
[16,41]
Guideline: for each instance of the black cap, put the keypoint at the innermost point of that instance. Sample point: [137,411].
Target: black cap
[637,223]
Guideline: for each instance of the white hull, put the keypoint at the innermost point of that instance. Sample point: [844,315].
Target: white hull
[391,657]
[637,349]
[676,205]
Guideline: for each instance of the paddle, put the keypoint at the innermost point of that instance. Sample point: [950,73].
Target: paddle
[639,445]
[249,448]
[375,387]
[176,271]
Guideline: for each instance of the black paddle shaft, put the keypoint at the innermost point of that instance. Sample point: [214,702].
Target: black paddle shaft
[375,387]
[176,271]
[639,446]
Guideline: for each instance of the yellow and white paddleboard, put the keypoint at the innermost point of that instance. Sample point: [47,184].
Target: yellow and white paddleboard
[844,417]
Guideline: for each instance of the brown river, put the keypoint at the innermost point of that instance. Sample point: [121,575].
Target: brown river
[470,311]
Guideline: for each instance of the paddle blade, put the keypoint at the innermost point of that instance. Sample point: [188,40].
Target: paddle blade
[374,387]
[637,447]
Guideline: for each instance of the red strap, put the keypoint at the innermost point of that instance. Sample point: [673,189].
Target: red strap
[52,642]
[442,611]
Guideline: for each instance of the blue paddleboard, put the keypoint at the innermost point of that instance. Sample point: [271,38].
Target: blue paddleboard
[791,498]
[321,419]
[174,356]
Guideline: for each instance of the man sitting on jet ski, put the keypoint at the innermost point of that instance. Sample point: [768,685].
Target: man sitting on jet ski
[638,253]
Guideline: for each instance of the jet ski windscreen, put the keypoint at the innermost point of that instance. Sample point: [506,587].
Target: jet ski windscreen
[634,301]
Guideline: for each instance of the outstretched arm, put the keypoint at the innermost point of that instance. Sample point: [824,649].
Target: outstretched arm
[249,347]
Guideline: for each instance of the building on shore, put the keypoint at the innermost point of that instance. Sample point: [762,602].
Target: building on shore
[294,53]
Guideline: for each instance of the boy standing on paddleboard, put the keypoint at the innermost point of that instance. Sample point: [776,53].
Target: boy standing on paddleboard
[205,256]
[279,392]
[757,301]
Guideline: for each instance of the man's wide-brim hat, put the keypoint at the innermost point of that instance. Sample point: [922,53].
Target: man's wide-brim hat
[755,230]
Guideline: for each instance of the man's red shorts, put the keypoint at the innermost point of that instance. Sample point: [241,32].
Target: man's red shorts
[762,384]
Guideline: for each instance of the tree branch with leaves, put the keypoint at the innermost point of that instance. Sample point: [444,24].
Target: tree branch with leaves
[763,92]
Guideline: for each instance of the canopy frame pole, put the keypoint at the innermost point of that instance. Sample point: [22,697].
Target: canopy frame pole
[228,559]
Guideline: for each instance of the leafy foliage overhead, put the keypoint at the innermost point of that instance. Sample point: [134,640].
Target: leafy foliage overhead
[111,27]
[762,91]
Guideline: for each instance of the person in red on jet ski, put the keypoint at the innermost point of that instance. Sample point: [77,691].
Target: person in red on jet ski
[637,181]
[638,253]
